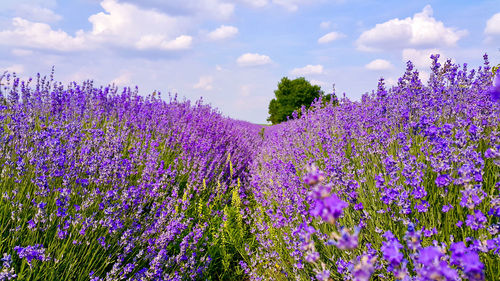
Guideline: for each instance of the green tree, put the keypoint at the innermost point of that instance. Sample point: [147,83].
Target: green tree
[291,95]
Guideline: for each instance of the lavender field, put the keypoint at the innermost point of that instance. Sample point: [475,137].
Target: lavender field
[101,183]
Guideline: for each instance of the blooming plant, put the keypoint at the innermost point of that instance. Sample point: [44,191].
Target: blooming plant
[98,184]
[106,185]
[405,184]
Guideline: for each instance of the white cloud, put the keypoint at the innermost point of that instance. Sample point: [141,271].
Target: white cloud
[493,25]
[29,34]
[379,64]
[420,58]
[37,13]
[223,32]
[218,10]
[125,24]
[329,37]
[13,4]
[249,103]
[82,74]
[320,83]
[256,3]
[424,76]
[21,52]
[200,9]
[121,24]
[391,81]
[254,59]
[122,80]
[420,31]
[290,5]
[205,83]
[307,70]
[160,42]
[17,68]
[245,90]
[325,24]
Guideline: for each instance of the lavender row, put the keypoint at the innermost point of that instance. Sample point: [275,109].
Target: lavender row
[105,185]
[402,185]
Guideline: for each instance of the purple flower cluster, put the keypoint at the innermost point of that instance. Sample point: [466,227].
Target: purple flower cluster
[467,260]
[30,253]
[329,208]
[432,266]
[495,91]
[391,250]
[7,272]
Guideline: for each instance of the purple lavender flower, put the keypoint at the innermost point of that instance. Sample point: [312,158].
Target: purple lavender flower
[429,232]
[313,176]
[6,261]
[410,227]
[364,269]
[7,273]
[36,252]
[495,207]
[458,251]
[329,208]
[467,260]
[419,192]
[391,251]
[473,267]
[422,208]
[491,153]
[323,275]
[412,237]
[343,266]
[495,90]
[429,256]
[472,197]
[345,240]
[476,221]
[358,206]
[31,224]
[244,267]
[432,267]
[446,208]
[443,180]
[312,257]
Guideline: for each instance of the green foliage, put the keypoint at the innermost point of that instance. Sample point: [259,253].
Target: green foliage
[229,237]
[495,69]
[291,95]
[262,133]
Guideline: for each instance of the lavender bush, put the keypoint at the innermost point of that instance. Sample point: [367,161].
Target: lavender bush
[403,185]
[102,185]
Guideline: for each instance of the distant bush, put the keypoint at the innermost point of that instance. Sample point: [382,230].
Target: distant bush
[291,95]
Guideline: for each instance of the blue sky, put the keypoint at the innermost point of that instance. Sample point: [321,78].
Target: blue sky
[233,53]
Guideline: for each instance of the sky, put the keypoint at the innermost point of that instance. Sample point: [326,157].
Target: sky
[233,54]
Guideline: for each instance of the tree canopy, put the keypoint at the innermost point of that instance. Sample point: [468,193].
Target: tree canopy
[291,95]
